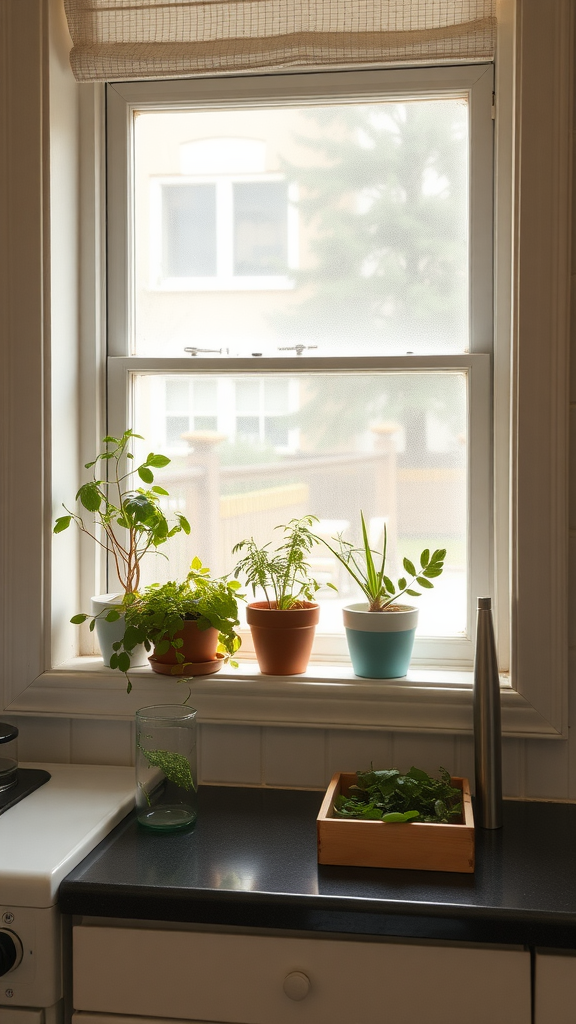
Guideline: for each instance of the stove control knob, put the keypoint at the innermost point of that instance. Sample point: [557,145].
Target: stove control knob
[10,951]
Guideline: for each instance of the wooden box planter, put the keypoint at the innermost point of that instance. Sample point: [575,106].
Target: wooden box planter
[377,844]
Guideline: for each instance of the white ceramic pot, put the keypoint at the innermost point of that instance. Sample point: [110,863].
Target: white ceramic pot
[380,643]
[109,633]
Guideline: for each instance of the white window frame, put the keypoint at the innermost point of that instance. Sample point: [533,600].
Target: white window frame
[40,315]
[224,279]
[476,83]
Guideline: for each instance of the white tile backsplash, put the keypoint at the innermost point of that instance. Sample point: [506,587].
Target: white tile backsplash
[513,753]
[429,752]
[464,758]
[547,769]
[307,758]
[354,750]
[44,739]
[294,757]
[102,742]
[230,754]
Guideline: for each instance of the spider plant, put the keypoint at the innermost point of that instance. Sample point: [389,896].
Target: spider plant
[368,569]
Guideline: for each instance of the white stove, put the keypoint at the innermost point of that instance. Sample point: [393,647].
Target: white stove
[42,838]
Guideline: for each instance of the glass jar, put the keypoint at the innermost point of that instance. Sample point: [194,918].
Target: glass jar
[166,776]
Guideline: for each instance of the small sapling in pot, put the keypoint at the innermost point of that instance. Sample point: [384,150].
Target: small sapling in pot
[124,519]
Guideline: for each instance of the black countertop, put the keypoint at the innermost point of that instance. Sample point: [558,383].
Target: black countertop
[251,862]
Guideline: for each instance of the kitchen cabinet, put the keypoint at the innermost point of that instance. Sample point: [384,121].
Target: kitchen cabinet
[199,975]
[555,987]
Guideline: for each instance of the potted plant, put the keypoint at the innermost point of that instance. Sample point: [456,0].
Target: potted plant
[190,625]
[125,520]
[283,624]
[380,631]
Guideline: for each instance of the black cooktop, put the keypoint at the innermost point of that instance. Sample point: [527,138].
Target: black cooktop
[29,779]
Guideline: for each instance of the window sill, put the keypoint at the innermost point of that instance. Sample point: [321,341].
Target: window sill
[326,696]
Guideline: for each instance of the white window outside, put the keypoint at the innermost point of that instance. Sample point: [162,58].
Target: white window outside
[224,232]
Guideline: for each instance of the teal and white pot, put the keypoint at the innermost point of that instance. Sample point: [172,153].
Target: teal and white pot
[109,633]
[380,643]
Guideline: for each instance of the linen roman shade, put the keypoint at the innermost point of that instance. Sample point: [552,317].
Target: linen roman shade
[135,39]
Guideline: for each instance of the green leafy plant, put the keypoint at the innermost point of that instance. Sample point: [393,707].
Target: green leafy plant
[368,569]
[283,574]
[154,617]
[130,518]
[390,796]
[175,767]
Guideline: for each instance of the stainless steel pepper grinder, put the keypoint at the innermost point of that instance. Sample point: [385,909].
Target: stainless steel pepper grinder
[487,721]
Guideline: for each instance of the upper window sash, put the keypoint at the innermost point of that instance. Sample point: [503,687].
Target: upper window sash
[474,82]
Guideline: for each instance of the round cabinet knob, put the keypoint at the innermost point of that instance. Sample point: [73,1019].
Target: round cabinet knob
[10,951]
[296,985]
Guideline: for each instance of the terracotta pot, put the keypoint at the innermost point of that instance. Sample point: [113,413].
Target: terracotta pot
[282,639]
[199,646]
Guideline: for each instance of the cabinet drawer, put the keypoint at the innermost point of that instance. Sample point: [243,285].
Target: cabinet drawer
[240,978]
[555,988]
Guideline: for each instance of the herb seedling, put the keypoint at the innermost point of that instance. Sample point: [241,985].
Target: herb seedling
[285,572]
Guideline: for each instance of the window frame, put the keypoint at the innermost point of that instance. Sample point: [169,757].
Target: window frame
[475,82]
[533,199]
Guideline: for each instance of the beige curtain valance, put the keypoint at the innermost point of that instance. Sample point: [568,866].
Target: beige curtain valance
[133,39]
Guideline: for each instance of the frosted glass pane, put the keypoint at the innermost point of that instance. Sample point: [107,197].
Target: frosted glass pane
[247,394]
[391,444]
[205,396]
[343,229]
[260,227]
[189,230]
[177,394]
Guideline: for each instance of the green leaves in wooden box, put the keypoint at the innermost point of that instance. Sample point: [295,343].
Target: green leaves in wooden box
[392,797]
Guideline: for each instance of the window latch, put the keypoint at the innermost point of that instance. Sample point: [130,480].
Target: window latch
[194,351]
[298,349]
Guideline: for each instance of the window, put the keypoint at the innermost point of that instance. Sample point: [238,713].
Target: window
[362,385]
[227,220]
